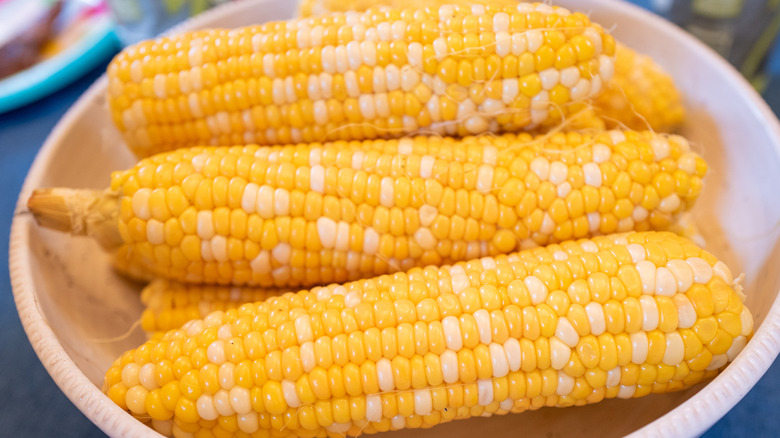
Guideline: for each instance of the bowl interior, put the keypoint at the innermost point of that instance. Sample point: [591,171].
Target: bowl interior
[92,311]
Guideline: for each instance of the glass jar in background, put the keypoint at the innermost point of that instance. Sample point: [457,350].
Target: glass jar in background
[137,20]
[742,31]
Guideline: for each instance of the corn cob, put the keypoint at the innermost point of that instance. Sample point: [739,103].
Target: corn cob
[290,216]
[169,304]
[571,324]
[376,74]
[641,95]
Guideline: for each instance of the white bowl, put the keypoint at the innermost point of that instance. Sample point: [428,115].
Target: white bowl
[71,303]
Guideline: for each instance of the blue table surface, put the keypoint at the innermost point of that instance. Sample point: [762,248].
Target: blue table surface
[31,404]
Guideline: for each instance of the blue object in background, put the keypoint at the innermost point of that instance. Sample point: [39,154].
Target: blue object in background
[53,74]
[647,4]
[32,405]
[86,31]
[754,50]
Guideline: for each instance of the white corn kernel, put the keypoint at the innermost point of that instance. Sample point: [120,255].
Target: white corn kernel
[682,273]
[206,409]
[155,232]
[675,349]
[341,428]
[373,407]
[136,397]
[510,89]
[626,391]
[736,347]
[248,422]
[746,319]
[485,179]
[146,376]
[581,90]
[519,43]
[290,394]
[639,347]
[498,360]
[721,270]
[550,78]
[596,318]
[565,331]
[702,271]
[140,203]
[535,39]
[485,392]
[592,174]
[423,402]
[317,179]
[536,288]
[384,371]
[452,333]
[637,252]
[660,147]
[558,172]
[226,374]
[370,241]
[564,189]
[503,44]
[482,317]
[570,76]
[560,353]
[308,361]
[541,167]
[514,354]
[718,361]
[222,403]
[565,384]
[613,377]
[326,230]
[449,366]
[427,215]
[215,352]
[665,283]
[459,282]
[647,274]
[650,315]
[424,238]
[686,313]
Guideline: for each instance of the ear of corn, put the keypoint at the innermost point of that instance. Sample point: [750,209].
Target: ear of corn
[169,304]
[451,69]
[571,324]
[641,95]
[309,214]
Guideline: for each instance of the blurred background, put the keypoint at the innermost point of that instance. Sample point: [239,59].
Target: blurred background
[52,50]
[742,31]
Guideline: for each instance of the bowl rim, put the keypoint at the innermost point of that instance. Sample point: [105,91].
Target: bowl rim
[697,414]
[691,418]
